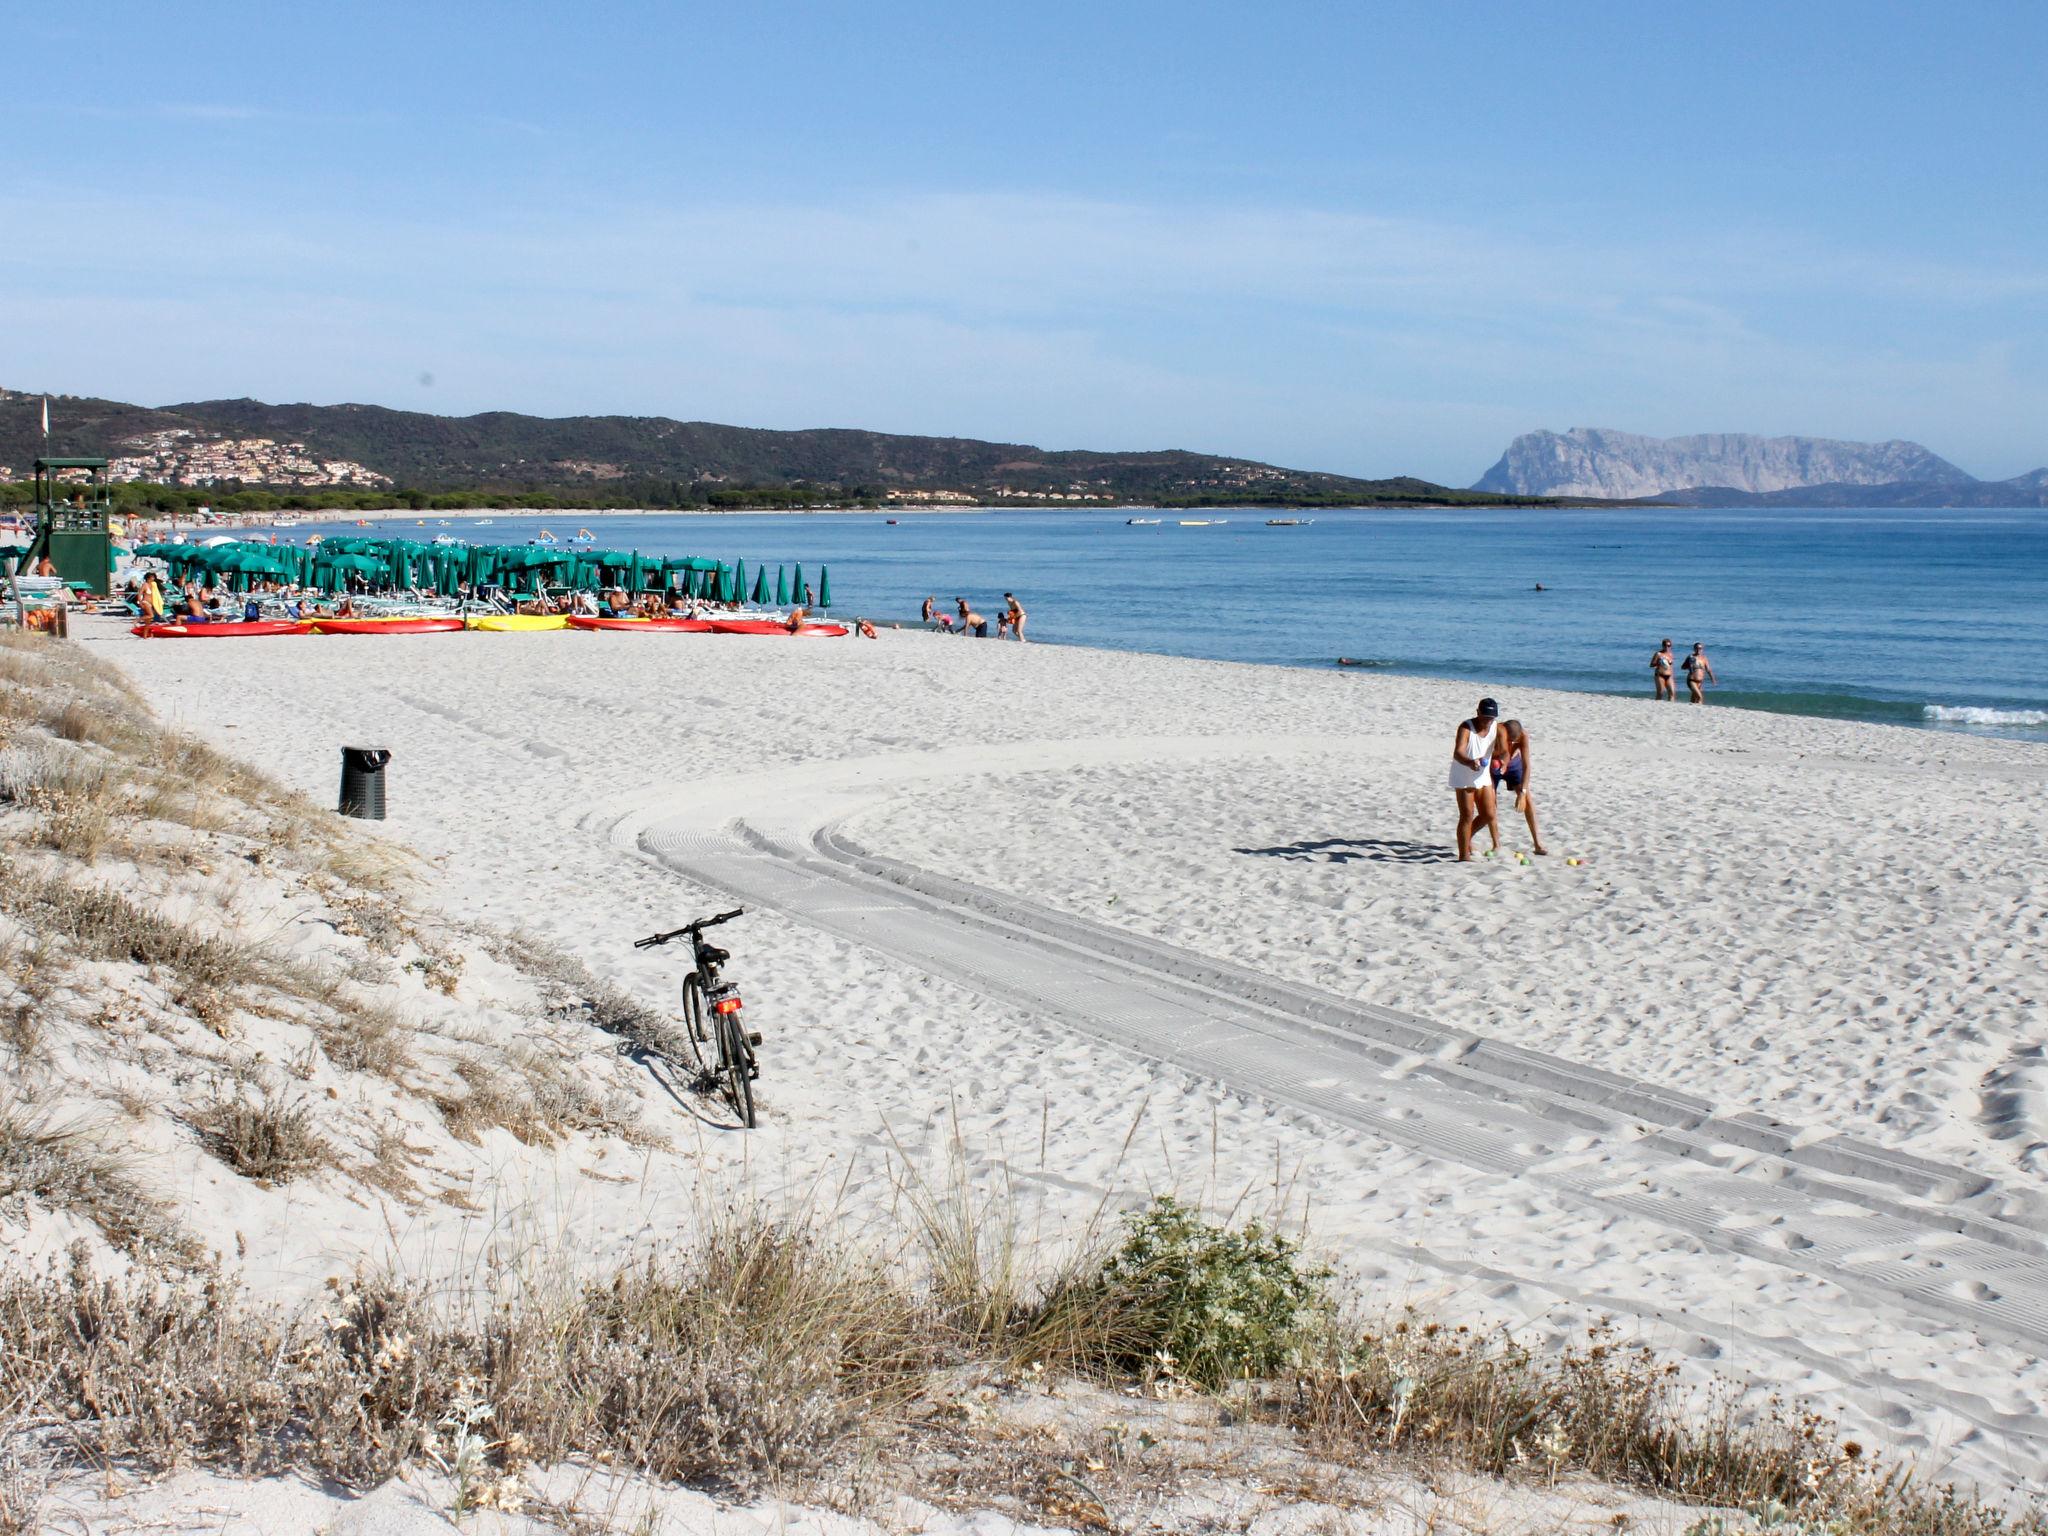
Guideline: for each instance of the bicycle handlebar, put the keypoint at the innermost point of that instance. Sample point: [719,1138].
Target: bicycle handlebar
[697,927]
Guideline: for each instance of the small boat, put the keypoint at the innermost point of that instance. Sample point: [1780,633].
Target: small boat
[1196,522]
[517,623]
[670,626]
[414,625]
[544,538]
[892,522]
[485,522]
[1289,522]
[771,627]
[217,630]
[445,539]
[584,536]
[1141,522]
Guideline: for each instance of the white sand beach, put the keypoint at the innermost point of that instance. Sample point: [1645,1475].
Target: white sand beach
[1762,1079]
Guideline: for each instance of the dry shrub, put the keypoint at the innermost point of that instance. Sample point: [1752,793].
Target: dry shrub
[111,723]
[1614,1412]
[756,1356]
[365,1037]
[568,988]
[65,1165]
[41,772]
[26,1475]
[754,1359]
[267,1137]
[535,1095]
[100,922]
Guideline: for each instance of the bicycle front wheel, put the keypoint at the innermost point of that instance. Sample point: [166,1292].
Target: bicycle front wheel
[739,1067]
[696,1027]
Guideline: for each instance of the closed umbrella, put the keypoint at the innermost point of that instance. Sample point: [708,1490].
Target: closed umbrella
[761,587]
[824,587]
[781,587]
[739,581]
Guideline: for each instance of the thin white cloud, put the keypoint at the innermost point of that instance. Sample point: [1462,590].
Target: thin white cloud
[1344,341]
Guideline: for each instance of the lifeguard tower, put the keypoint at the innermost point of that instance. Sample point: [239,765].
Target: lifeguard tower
[72,522]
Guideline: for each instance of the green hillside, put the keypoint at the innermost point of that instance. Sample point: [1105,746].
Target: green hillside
[653,458]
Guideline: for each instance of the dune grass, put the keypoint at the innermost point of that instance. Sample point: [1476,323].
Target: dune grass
[769,1353]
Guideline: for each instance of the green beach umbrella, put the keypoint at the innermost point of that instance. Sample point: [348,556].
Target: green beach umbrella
[761,587]
[824,587]
[796,585]
[739,580]
[781,587]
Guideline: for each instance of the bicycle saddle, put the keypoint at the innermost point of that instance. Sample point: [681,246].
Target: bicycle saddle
[713,955]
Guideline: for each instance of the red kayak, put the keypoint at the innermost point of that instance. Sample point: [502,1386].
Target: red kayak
[216,631]
[380,626]
[674,626]
[770,627]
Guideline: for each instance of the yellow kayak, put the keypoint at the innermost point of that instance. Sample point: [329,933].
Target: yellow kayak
[500,622]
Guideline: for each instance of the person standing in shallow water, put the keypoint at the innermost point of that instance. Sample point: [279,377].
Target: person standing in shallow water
[1660,673]
[1472,776]
[1698,673]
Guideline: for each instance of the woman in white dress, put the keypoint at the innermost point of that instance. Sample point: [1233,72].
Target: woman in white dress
[1471,759]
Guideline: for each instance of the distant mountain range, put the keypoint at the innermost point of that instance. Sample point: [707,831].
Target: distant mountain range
[647,458]
[1739,469]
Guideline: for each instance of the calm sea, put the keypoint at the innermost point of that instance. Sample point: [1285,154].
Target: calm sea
[1912,617]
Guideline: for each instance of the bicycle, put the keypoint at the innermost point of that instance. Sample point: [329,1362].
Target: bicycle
[711,1017]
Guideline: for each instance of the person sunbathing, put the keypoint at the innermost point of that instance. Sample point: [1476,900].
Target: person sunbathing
[795,622]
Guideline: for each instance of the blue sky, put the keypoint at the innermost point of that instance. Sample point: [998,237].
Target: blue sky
[1377,239]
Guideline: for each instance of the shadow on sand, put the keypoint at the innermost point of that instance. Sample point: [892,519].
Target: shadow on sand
[1344,850]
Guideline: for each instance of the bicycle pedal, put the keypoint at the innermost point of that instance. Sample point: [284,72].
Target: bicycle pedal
[754,1038]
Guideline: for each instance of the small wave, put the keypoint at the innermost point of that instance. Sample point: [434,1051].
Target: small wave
[1968,714]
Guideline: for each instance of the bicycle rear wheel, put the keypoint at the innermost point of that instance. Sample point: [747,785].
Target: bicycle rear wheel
[739,1067]
[697,1026]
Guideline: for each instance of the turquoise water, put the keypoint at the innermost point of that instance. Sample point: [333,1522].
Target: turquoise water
[1913,617]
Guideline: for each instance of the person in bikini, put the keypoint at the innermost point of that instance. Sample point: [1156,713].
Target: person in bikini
[1512,766]
[1014,615]
[1471,775]
[1698,673]
[1660,673]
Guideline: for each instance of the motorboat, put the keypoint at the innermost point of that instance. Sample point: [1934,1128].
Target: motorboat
[1141,522]
[1289,522]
